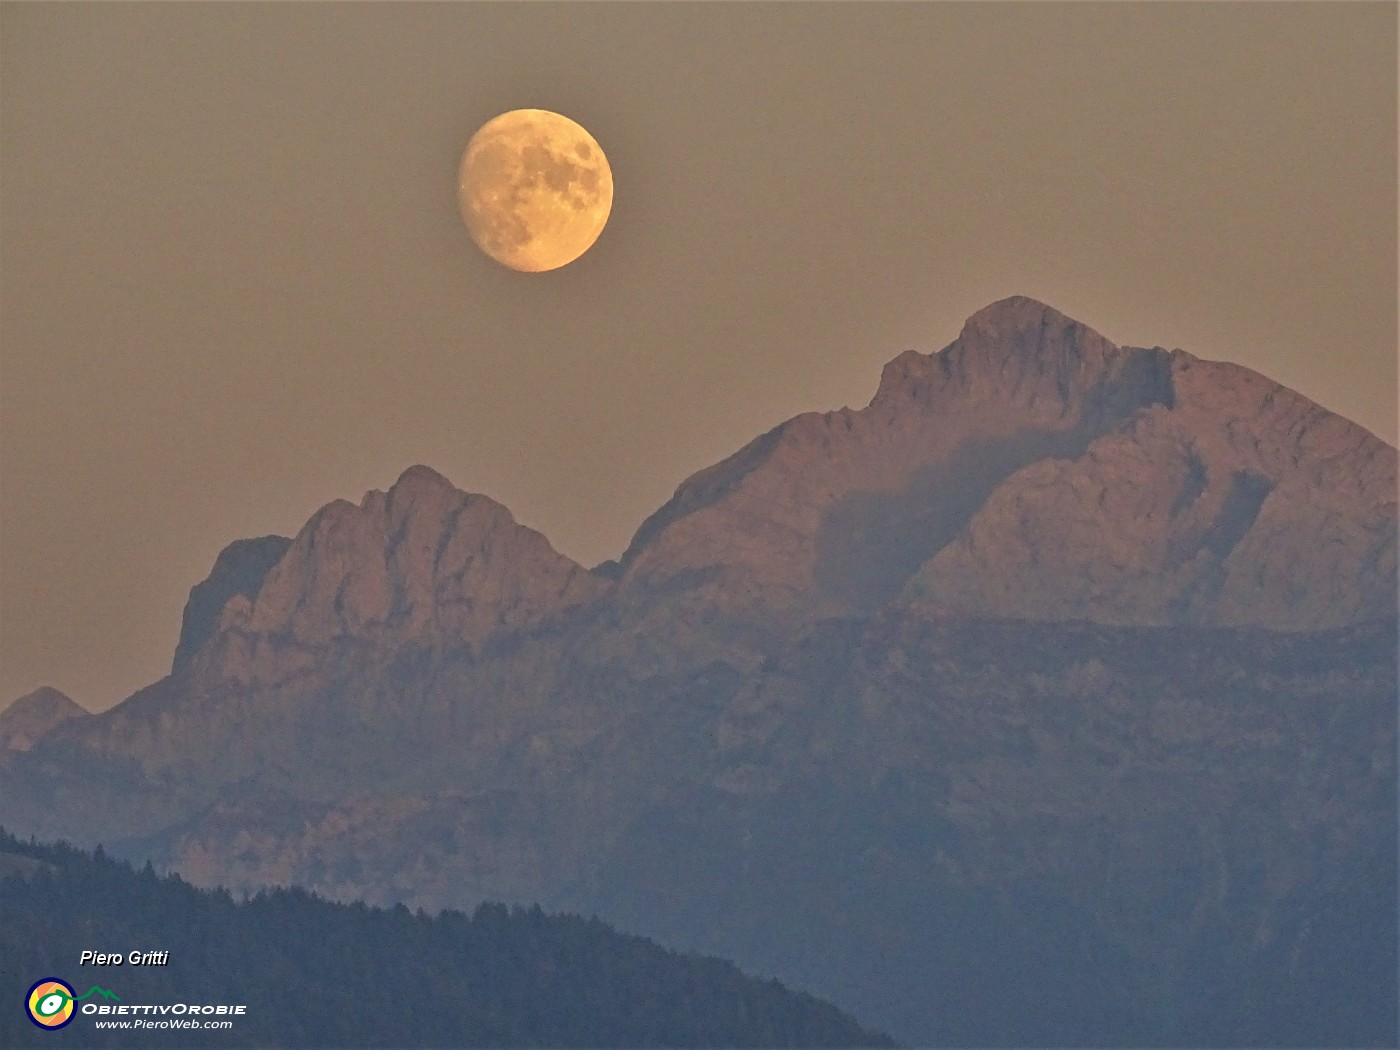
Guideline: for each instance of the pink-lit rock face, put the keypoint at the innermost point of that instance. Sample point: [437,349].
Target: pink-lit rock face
[1033,469]
[423,562]
[1244,504]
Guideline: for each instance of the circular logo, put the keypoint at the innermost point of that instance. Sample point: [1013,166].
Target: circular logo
[50,1003]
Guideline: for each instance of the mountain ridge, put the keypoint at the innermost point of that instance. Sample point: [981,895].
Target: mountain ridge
[1071,633]
[787,519]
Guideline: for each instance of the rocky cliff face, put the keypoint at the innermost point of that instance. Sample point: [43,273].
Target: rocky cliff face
[1048,698]
[239,570]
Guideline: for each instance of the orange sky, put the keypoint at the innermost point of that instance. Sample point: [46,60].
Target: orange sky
[234,285]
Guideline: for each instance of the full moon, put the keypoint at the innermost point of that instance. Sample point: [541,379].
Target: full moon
[535,190]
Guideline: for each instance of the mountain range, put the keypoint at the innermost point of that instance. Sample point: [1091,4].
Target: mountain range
[1049,699]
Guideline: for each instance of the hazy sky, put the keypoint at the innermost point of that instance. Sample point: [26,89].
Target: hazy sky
[235,285]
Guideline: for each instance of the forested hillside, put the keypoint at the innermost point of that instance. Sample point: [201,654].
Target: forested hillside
[313,973]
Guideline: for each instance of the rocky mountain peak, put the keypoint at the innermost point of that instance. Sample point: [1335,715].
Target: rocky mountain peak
[46,698]
[1033,469]
[421,492]
[33,715]
[423,561]
[1022,355]
[1019,320]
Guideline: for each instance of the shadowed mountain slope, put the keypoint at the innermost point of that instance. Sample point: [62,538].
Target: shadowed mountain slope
[239,570]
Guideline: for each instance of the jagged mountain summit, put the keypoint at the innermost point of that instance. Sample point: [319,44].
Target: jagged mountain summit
[1032,469]
[422,563]
[1049,698]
